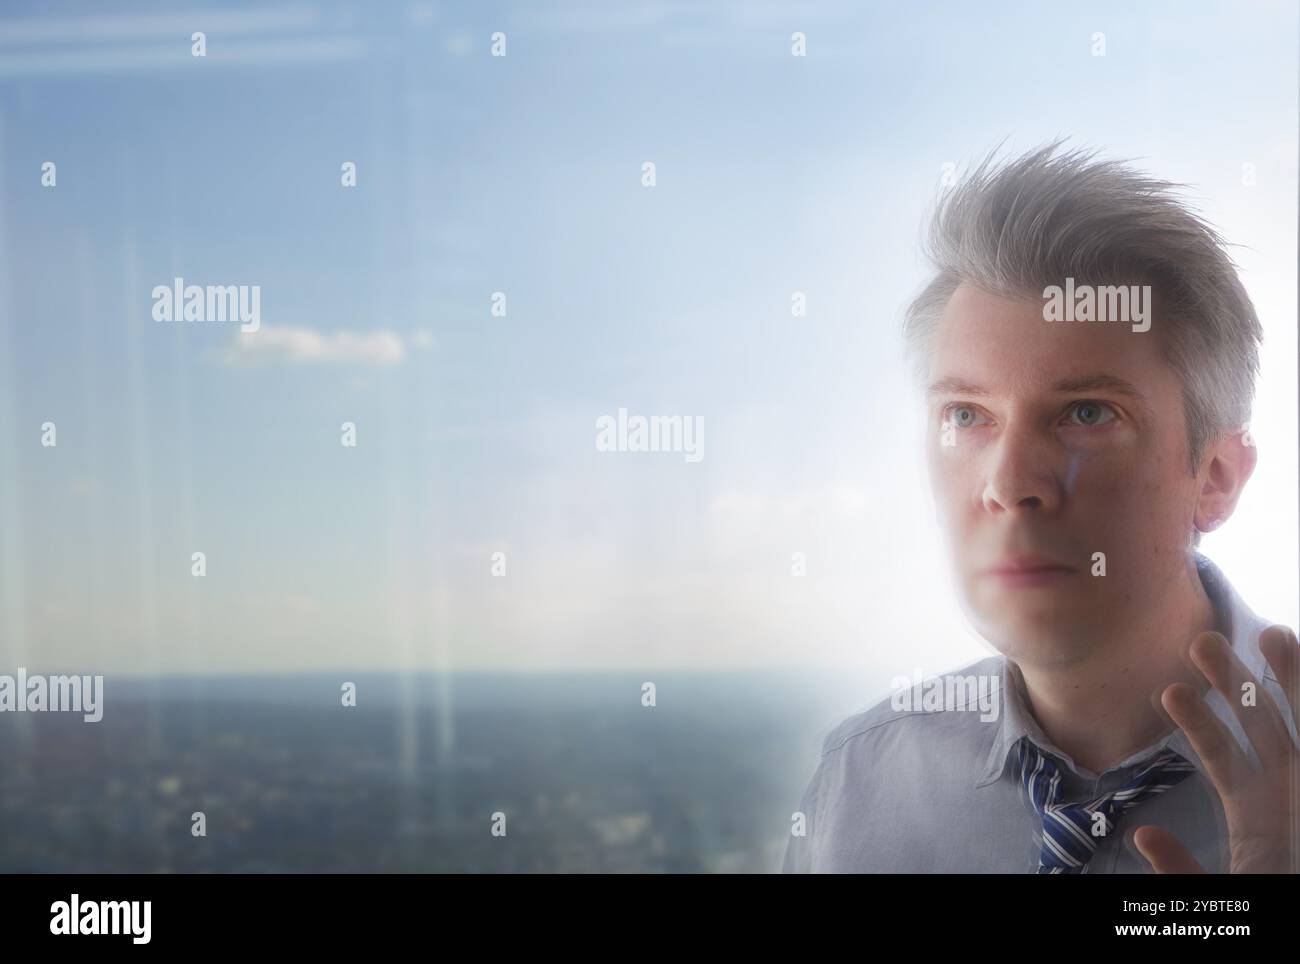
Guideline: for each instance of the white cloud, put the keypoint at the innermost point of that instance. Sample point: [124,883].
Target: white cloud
[305,346]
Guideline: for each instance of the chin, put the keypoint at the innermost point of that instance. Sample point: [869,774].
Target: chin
[1043,634]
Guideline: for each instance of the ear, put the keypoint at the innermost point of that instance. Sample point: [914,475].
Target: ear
[1226,466]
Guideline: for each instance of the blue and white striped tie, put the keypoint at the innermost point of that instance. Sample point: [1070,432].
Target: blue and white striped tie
[1069,838]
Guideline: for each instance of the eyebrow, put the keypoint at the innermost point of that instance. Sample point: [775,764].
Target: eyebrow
[1084,383]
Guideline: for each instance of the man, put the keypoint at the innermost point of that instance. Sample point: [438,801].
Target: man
[1079,441]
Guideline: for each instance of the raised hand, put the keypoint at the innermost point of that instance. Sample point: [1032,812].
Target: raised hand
[1258,804]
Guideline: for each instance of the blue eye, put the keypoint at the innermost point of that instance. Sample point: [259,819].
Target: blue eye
[1092,413]
[960,416]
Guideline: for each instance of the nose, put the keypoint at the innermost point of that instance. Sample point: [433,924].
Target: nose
[1023,474]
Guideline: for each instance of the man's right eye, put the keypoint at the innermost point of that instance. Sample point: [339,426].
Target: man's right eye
[961,416]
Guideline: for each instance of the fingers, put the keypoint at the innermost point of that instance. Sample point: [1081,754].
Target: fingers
[1259,717]
[1281,649]
[1164,852]
[1212,741]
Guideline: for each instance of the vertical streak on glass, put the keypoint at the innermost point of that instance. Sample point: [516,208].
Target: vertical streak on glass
[132,318]
[431,411]
[92,433]
[13,599]
[394,240]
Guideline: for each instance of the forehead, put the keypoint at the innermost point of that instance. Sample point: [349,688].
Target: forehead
[1005,345]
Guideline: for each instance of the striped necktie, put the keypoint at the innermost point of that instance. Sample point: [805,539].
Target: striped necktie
[1069,837]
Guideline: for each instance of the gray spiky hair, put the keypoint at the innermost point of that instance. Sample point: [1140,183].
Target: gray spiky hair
[1015,228]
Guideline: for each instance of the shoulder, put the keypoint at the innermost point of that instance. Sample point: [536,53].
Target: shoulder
[1245,626]
[877,762]
[911,713]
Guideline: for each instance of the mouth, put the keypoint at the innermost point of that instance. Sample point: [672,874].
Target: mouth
[1028,571]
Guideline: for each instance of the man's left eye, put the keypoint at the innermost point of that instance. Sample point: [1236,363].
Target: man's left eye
[1092,413]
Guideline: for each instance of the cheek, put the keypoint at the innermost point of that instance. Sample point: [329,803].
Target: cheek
[953,482]
[1132,499]
[1102,485]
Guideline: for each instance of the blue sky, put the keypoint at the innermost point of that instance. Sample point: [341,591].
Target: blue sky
[522,174]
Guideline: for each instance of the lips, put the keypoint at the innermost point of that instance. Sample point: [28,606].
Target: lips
[1028,571]
[1016,565]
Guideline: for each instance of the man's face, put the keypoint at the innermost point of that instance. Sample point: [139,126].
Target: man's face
[1066,439]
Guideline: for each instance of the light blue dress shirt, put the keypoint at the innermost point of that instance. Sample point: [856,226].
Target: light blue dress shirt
[936,791]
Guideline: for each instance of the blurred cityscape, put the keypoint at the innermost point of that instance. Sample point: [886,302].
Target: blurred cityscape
[289,780]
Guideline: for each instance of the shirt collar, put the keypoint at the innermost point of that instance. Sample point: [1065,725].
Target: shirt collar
[1242,628]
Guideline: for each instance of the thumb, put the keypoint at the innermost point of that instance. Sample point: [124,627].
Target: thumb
[1163,851]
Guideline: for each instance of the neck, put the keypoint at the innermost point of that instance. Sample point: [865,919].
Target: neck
[1106,708]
